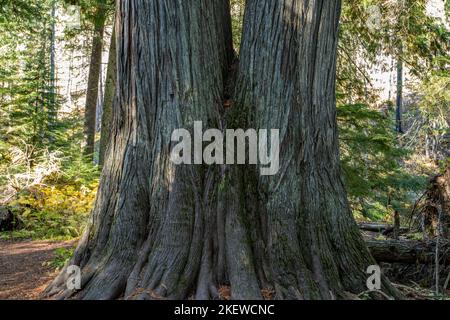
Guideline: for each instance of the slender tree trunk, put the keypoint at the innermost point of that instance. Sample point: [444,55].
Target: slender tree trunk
[399,105]
[52,100]
[159,230]
[110,90]
[93,80]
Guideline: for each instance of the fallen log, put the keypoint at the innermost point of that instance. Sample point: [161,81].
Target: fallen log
[408,252]
[379,227]
[373,226]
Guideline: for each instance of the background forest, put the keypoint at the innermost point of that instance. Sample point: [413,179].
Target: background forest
[57,66]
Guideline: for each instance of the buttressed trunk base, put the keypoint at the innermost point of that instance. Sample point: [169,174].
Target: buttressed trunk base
[164,231]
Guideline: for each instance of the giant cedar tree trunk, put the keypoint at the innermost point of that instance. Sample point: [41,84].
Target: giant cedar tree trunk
[287,80]
[160,230]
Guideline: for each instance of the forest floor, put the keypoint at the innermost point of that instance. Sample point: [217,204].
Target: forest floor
[25,267]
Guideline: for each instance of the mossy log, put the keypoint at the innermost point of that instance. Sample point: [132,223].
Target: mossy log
[408,252]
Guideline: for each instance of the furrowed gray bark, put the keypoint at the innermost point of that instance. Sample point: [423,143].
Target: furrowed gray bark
[164,231]
[286,81]
[151,222]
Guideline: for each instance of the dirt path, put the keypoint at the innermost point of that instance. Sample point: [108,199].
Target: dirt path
[23,274]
